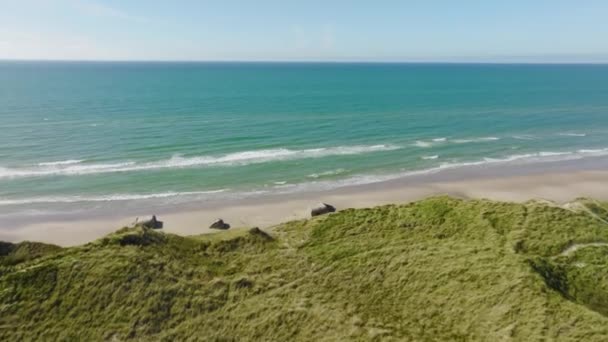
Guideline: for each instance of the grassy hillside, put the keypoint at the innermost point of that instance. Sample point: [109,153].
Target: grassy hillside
[438,269]
[11,253]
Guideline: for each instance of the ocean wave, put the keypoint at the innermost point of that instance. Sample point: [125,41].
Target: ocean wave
[524,137]
[434,141]
[61,162]
[430,157]
[279,186]
[104,198]
[551,154]
[66,169]
[546,156]
[327,173]
[533,157]
[178,161]
[423,144]
[573,134]
[474,140]
[593,151]
[319,184]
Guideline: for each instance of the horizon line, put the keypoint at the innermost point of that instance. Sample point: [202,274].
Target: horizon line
[311,61]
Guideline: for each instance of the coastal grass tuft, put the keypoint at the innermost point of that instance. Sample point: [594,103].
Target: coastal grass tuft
[436,269]
[11,254]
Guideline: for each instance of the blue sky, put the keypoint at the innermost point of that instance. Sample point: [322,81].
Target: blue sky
[336,30]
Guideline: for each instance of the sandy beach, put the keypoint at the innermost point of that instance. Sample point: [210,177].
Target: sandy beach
[559,181]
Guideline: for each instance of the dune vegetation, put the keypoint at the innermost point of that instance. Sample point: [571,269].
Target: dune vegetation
[436,269]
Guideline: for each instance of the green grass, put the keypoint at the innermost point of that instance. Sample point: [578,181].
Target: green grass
[437,269]
[11,254]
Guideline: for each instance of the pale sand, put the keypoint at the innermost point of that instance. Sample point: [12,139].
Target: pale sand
[266,212]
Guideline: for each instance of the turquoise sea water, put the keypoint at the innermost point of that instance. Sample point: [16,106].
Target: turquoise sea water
[87,134]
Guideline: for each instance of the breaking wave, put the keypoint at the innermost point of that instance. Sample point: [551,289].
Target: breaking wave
[435,141]
[104,198]
[61,162]
[524,137]
[317,183]
[327,173]
[75,167]
[423,144]
[475,140]
[573,134]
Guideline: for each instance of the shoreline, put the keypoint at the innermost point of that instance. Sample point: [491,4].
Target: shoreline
[559,181]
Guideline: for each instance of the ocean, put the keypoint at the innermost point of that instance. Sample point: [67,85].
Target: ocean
[80,136]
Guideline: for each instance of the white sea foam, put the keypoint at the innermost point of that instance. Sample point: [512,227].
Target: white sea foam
[533,157]
[430,157]
[524,137]
[61,162]
[475,140]
[327,173]
[283,185]
[551,154]
[593,151]
[432,142]
[371,178]
[66,169]
[573,134]
[318,184]
[104,198]
[177,161]
[423,144]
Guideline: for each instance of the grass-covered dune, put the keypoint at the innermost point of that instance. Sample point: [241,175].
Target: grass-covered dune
[437,269]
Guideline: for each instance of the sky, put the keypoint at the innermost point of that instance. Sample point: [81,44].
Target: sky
[306,30]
